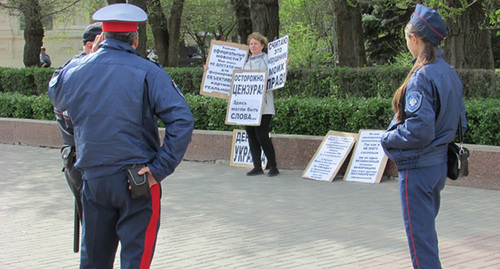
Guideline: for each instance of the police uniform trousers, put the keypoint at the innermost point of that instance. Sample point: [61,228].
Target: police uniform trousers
[110,216]
[258,140]
[420,200]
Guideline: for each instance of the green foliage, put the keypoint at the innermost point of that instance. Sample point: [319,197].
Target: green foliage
[27,81]
[42,107]
[16,105]
[7,105]
[19,80]
[187,79]
[383,24]
[312,35]
[379,81]
[294,115]
[305,49]
[316,116]
[205,19]
[41,79]
[482,119]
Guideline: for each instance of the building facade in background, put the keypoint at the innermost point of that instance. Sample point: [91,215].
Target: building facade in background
[63,38]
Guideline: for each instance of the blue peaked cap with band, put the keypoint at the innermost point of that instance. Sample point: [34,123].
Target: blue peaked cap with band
[429,23]
[120,17]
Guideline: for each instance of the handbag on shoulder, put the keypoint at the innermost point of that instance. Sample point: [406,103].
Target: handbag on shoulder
[458,157]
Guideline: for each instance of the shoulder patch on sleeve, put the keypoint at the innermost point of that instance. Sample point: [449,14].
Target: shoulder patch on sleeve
[413,101]
[177,89]
[53,81]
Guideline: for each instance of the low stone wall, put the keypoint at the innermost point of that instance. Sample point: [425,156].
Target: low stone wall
[293,151]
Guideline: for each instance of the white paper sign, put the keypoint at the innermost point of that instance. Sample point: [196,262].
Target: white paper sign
[278,54]
[247,97]
[223,59]
[330,156]
[240,151]
[368,161]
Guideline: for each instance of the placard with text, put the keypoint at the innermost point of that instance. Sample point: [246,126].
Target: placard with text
[222,60]
[368,160]
[240,151]
[247,97]
[277,56]
[330,156]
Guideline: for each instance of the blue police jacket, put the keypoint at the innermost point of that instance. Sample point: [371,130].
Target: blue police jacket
[113,97]
[433,107]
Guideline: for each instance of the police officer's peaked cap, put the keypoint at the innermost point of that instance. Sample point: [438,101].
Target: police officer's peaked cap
[120,17]
[429,23]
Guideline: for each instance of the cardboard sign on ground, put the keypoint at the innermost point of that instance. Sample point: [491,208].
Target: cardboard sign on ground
[369,160]
[240,151]
[330,156]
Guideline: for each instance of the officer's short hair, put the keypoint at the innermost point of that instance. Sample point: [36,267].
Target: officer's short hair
[127,37]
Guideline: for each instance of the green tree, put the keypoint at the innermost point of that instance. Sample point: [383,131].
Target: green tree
[265,18]
[383,24]
[34,12]
[310,25]
[207,19]
[351,50]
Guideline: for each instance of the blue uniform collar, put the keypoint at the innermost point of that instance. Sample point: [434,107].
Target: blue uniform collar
[111,43]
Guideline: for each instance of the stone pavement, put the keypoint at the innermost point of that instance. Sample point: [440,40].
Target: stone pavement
[214,216]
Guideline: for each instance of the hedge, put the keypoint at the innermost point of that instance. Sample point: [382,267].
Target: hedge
[334,82]
[294,115]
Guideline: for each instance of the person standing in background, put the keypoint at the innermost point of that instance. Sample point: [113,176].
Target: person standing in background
[428,107]
[258,136]
[44,58]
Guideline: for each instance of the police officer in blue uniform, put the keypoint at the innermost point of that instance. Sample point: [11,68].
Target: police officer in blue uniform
[114,98]
[428,107]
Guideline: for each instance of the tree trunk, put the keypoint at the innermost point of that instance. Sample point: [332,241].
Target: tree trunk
[159,28]
[244,21]
[351,49]
[265,18]
[174,33]
[141,48]
[467,45]
[33,33]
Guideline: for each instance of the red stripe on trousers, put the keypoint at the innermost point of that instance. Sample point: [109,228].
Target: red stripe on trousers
[409,221]
[151,231]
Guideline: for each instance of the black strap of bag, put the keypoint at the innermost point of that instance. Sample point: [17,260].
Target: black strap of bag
[458,157]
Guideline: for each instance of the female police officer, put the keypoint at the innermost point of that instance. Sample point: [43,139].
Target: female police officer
[427,109]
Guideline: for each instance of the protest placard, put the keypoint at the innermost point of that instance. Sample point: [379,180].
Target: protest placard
[278,54]
[223,59]
[330,156]
[247,97]
[240,151]
[369,160]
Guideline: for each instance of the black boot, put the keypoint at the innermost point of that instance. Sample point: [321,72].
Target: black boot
[273,171]
[255,171]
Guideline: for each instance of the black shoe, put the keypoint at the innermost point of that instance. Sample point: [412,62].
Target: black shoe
[273,171]
[255,171]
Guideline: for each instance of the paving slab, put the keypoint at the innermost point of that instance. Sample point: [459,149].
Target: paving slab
[214,216]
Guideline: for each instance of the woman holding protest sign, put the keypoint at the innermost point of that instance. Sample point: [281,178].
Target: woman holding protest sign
[428,107]
[258,136]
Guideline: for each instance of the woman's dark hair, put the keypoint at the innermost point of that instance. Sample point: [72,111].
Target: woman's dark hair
[426,56]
